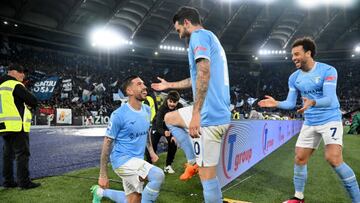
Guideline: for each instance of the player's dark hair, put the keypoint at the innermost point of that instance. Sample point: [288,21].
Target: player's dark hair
[189,13]
[173,96]
[127,82]
[307,43]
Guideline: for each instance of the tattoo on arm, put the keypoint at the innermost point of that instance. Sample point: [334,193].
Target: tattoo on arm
[149,144]
[182,84]
[202,83]
[105,156]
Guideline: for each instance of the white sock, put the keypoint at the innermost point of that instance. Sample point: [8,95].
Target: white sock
[299,195]
[100,192]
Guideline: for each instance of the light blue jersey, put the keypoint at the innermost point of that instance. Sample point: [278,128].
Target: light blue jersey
[129,129]
[216,107]
[318,84]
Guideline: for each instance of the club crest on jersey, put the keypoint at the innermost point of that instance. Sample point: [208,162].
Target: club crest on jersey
[317,79]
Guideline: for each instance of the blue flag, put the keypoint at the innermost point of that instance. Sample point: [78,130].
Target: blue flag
[43,89]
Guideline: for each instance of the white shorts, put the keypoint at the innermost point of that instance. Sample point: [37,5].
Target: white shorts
[130,173]
[207,146]
[310,136]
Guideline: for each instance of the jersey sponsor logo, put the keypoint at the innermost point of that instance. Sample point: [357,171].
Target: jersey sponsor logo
[330,78]
[199,48]
[315,91]
[137,134]
[132,122]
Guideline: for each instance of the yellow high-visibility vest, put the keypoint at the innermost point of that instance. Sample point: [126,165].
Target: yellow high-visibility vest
[10,119]
[152,106]
[236,115]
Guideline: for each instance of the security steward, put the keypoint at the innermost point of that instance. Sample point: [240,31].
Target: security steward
[15,122]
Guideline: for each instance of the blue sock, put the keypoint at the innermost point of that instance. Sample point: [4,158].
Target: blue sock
[348,178]
[182,137]
[115,195]
[212,191]
[300,176]
[151,191]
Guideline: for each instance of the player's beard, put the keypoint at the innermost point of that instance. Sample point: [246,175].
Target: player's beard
[303,65]
[186,34]
[140,96]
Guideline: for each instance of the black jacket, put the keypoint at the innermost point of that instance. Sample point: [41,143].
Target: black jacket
[158,123]
[21,96]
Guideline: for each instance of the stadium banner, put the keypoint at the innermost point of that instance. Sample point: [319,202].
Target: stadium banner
[46,111]
[67,85]
[249,141]
[43,89]
[98,120]
[63,116]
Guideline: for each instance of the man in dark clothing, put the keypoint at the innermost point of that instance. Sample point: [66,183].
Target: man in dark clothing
[15,122]
[159,128]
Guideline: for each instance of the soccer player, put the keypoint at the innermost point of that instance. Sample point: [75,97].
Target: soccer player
[316,83]
[128,129]
[208,119]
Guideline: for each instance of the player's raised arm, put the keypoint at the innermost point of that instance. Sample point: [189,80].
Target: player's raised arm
[164,85]
[290,101]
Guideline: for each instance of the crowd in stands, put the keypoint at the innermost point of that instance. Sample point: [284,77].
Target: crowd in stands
[249,81]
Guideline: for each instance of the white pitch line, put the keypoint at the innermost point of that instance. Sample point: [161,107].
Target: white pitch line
[237,183]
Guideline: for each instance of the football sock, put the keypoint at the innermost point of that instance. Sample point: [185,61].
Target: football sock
[212,191]
[348,179]
[300,176]
[184,140]
[156,177]
[115,195]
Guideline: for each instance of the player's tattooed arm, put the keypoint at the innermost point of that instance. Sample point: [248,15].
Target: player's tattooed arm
[182,84]
[104,159]
[153,155]
[202,83]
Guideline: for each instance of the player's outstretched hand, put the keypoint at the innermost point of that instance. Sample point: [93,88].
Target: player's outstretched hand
[268,102]
[162,85]
[307,104]
[103,182]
